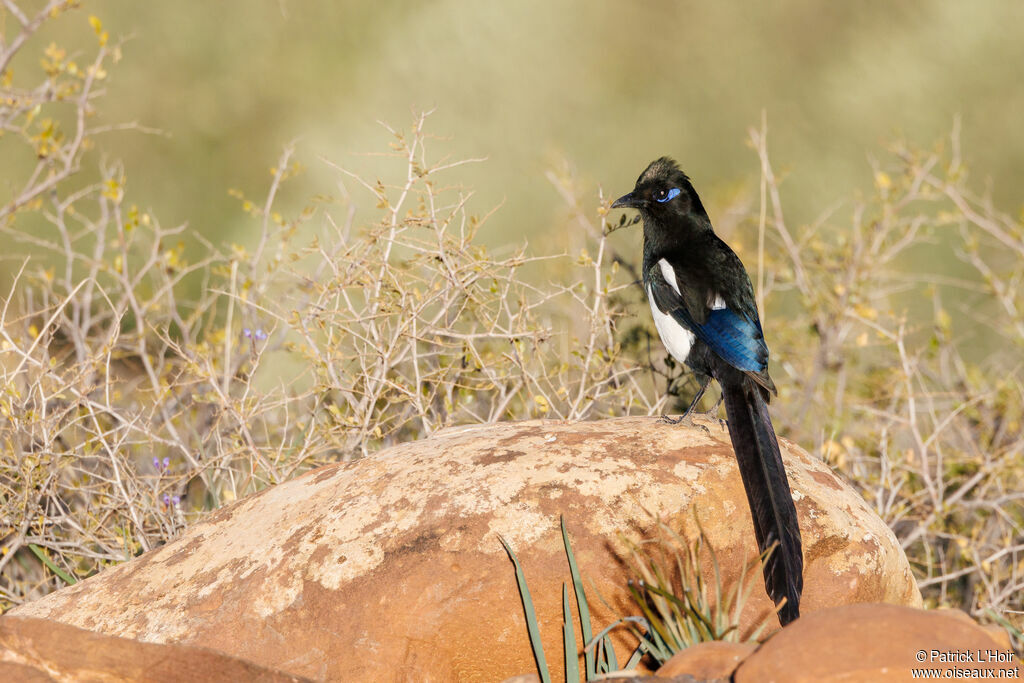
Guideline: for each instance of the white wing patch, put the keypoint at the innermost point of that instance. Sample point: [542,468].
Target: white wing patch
[669,274]
[676,338]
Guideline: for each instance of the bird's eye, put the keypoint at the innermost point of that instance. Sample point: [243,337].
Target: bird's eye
[664,195]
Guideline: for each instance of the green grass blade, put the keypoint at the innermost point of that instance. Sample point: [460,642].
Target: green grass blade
[635,658]
[608,629]
[1015,633]
[602,664]
[606,661]
[572,661]
[611,661]
[655,636]
[581,603]
[69,580]
[531,616]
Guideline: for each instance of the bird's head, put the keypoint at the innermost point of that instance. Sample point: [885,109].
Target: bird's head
[662,191]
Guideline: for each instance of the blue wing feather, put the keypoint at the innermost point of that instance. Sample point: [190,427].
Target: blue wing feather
[736,339]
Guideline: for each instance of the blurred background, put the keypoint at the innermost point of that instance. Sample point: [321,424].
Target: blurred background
[605,86]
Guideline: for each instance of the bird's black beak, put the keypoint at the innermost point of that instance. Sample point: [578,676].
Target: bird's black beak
[627,201]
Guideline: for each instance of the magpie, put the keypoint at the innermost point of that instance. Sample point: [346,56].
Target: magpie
[704,309]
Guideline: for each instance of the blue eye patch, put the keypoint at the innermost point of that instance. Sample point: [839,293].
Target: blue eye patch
[672,194]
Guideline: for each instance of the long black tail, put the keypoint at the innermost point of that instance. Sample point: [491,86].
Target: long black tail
[764,478]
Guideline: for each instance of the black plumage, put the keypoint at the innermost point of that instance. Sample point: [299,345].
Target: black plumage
[704,308]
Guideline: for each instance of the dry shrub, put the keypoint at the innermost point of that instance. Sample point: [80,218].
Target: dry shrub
[905,378]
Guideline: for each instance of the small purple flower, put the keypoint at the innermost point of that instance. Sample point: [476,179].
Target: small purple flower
[246,332]
[176,500]
[260,334]
[156,463]
[167,463]
[167,500]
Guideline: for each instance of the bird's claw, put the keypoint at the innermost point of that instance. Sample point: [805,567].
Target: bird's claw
[686,419]
[712,414]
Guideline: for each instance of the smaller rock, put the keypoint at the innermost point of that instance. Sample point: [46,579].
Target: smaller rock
[874,642]
[42,650]
[707,661]
[997,632]
[23,674]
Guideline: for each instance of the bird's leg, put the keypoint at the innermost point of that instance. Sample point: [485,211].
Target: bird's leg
[687,416]
[714,412]
[704,382]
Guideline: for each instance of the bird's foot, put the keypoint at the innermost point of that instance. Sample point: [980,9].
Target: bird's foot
[686,419]
[712,414]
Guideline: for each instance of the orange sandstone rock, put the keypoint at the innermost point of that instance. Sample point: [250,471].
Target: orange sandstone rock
[41,650]
[869,643]
[389,568]
[707,661]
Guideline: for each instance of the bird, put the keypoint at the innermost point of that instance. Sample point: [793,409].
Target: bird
[703,306]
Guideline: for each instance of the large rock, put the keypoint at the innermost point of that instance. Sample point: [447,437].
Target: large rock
[42,650]
[389,568]
[878,643]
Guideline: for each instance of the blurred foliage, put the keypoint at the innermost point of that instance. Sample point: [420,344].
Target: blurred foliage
[360,303]
[530,82]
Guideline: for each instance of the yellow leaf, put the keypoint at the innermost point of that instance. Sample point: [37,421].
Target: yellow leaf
[882,180]
[55,53]
[865,311]
[542,403]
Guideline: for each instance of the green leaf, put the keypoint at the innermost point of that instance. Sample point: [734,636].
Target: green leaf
[531,616]
[69,580]
[611,661]
[581,602]
[572,664]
